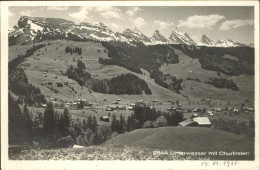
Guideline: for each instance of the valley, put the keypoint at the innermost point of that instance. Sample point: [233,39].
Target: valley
[79,77]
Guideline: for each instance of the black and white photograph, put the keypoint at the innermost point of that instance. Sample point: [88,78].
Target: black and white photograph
[138,82]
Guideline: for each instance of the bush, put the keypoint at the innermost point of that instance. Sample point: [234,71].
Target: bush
[148,124]
[65,142]
[160,122]
[104,133]
[59,84]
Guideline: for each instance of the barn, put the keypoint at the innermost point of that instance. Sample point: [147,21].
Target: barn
[202,121]
[197,121]
[104,118]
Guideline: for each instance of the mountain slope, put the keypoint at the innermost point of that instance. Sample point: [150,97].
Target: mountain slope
[178,37]
[158,38]
[206,41]
[179,139]
[228,43]
[136,35]
[36,29]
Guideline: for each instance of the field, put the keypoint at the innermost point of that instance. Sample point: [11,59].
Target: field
[143,143]
[53,60]
[191,68]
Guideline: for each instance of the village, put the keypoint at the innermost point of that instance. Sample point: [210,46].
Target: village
[198,113]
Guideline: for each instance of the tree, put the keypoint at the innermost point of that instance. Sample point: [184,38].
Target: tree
[28,122]
[80,105]
[160,122]
[94,125]
[128,124]
[16,124]
[78,127]
[64,123]
[49,123]
[84,125]
[122,124]
[104,133]
[115,124]
[89,122]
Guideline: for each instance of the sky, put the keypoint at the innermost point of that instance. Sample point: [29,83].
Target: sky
[217,23]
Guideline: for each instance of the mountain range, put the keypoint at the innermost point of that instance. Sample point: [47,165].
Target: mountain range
[34,29]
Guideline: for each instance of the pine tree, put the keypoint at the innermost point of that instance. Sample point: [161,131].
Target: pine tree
[28,122]
[84,125]
[89,122]
[64,123]
[128,124]
[122,124]
[94,125]
[113,123]
[49,123]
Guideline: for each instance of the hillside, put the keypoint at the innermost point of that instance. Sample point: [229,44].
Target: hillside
[186,139]
[142,144]
[191,68]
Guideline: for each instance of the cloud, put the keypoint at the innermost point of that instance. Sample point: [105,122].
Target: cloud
[115,26]
[195,38]
[59,8]
[10,14]
[109,12]
[163,24]
[81,15]
[132,11]
[139,22]
[105,12]
[26,13]
[201,21]
[227,25]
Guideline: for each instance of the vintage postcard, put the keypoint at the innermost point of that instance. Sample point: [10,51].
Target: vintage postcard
[113,84]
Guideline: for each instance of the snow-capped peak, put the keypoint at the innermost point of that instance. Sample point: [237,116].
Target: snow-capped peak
[227,42]
[178,37]
[158,38]
[206,41]
[136,35]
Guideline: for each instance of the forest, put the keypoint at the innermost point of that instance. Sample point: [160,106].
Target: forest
[123,84]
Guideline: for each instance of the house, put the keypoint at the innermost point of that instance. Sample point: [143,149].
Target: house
[202,121]
[130,108]
[236,109]
[104,118]
[210,112]
[109,109]
[218,109]
[188,122]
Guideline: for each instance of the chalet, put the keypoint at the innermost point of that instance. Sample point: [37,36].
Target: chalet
[113,107]
[196,122]
[219,109]
[235,109]
[195,115]
[210,112]
[109,109]
[121,107]
[132,104]
[104,118]
[188,122]
[202,121]
[130,108]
